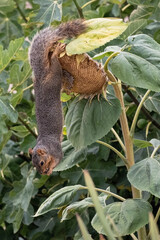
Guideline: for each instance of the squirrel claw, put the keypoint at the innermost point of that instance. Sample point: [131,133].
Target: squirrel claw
[59,49]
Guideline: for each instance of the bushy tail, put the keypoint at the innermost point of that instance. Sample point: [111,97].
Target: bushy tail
[45,39]
[71,29]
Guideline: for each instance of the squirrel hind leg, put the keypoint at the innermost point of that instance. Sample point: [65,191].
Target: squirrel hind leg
[67,82]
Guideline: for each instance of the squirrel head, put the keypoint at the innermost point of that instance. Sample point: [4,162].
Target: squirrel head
[43,161]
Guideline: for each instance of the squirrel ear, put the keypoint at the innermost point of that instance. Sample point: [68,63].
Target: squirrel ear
[41,152]
[30,150]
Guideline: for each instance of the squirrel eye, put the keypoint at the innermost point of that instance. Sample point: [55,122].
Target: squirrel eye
[41,163]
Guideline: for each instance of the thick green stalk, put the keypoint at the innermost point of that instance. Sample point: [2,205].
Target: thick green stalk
[127,139]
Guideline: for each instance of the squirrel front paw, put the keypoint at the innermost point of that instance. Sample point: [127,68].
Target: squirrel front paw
[59,49]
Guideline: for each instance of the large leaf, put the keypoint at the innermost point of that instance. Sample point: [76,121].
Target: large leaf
[145,47]
[142,12]
[134,27]
[143,2]
[128,216]
[14,215]
[87,122]
[7,110]
[58,199]
[49,11]
[7,5]
[99,168]
[99,31]
[71,156]
[23,190]
[145,176]
[7,55]
[10,26]
[153,103]
[136,71]
[141,143]
[80,206]
[19,76]
[20,131]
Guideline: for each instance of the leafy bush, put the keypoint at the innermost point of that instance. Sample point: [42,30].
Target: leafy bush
[123,161]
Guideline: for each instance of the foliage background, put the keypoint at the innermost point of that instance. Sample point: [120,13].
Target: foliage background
[22,189]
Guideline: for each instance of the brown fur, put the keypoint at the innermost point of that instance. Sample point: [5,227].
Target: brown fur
[47,85]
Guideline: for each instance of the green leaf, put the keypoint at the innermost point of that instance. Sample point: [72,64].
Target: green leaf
[119,2]
[99,31]
[144,175]
[28,142]
[7,110]
[133,27]
[107,52]
[5,139]
[7,55]
[17,97]
[58,199]
[145,47]
[141,143]
[10,26]
[73,156]
[79,207]
[49,11]
[23,190]
[76,207]
[143,2]
[19,76]
[155,142]
[65,97]
[4,161]
[20,131]
[128,216]
[142,12]
[87,122]
[153,103]
[14,215]
[7,5]
[136,71]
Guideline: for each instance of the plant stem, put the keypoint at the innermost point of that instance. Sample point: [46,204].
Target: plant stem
[118,138]
[27,87]
[137,113]
[125,7]
[20,11]
[123,121]
[27,126]
[154,151]
[133,236]
[143,109]
[108,59]
[86,4]
[113,149]
[113,195]
[157,215]
[79,9]
[127,141]
[107,192]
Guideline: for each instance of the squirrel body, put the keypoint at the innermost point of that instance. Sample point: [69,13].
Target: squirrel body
[48,76]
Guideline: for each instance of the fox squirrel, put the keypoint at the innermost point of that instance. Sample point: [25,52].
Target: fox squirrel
[48,76]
